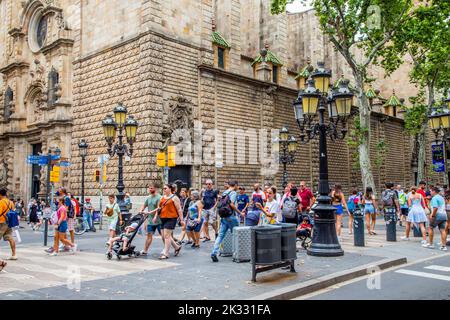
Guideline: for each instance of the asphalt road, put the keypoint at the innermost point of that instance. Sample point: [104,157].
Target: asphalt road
[428,280]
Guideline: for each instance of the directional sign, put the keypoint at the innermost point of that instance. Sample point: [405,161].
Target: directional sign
[65,164]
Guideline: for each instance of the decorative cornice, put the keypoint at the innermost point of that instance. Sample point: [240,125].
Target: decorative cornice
[15,65]
[56,44]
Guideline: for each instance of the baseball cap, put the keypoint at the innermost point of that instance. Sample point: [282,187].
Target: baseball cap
[134,225]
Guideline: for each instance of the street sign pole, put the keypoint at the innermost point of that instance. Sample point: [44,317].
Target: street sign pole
[48,196]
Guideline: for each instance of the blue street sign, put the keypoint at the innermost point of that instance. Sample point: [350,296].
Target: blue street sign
[438,157]
[65,164]
[43,161]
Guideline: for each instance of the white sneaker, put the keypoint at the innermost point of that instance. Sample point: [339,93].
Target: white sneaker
[443,248]
[428,246]
[405,238]
[53,254]
[74,248]
[423,242]
[12,258]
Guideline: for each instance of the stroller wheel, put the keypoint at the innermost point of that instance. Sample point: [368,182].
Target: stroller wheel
[306,243]
[109,255]
[118,257]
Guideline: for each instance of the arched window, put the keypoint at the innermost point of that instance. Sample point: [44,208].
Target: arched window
[9,97]
[53,80]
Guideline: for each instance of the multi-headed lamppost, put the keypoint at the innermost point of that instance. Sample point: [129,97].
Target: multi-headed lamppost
[315,99]
[439,119]
[83,146]
[288,147]
[110,126]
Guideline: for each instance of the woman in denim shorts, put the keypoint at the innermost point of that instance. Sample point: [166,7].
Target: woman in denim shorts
[194,219]
[370,204]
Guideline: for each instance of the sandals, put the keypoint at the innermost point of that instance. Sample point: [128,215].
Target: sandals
[2,265]
[177,252]
[163,257]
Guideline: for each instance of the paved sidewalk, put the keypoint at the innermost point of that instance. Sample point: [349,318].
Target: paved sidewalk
[192,275]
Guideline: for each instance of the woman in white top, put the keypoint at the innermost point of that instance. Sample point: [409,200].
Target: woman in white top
[271,211]
[416,214]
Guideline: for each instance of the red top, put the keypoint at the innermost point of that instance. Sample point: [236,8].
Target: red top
[62,212]
[306,196]
[424,196]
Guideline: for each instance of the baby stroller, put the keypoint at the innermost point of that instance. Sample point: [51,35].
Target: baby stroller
[117,248]
[304,236]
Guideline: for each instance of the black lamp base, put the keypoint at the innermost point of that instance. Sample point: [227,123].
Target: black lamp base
[325,242]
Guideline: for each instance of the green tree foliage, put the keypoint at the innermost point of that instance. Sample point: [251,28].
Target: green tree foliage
[359,25]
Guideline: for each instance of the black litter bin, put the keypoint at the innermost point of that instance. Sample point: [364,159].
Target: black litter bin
[390,218]
[288,241]
[267,245]
[358,228]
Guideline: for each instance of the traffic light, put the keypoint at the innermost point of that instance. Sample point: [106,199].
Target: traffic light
[172,156]
[97,176]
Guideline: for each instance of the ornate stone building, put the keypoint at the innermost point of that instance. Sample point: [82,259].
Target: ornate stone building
[173,63]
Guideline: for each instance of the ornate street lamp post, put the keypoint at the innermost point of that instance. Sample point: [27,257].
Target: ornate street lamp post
[288,147]
[83,146]
[110,126]
[310,101]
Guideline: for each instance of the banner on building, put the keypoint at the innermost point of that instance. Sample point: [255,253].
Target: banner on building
[438,155]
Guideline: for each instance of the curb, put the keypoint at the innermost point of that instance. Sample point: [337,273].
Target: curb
[314,285]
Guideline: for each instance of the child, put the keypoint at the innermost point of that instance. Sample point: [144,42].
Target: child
[125,237]
[304,229]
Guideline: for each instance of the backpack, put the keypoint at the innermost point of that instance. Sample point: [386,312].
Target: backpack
[351,204]
[402,199]
[224,206]
[71,211]
[12,218]
[289,208]
[387,198]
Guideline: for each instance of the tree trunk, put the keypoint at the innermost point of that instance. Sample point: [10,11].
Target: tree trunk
[421,156]
[364,147]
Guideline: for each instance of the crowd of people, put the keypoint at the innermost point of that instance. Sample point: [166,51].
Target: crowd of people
[424,208]
[195,211]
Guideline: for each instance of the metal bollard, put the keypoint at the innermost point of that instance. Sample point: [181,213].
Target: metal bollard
[390,218]
[358,228]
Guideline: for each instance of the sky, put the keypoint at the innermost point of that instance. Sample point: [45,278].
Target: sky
[298,6]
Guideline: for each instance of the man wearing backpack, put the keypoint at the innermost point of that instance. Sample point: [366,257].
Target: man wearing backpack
[227,207]
[403,202]
[389,200]
[6,206]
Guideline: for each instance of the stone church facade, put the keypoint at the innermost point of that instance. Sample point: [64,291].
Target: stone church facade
[66,64]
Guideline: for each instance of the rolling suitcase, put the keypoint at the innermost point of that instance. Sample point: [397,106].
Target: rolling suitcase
[242,244]
[226,248]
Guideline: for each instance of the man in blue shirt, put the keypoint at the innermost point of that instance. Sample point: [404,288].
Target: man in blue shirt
[227,223]
[438,218]
[243,202]
[209,197]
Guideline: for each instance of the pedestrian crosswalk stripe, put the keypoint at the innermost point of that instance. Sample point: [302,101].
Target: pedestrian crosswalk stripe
[36,270]
[424,274]
[438,268]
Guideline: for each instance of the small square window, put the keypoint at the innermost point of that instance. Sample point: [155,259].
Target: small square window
[275,74]
[221,58]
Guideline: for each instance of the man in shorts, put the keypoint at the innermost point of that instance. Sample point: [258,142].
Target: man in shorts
[209,197]
[151,203]
[438,219]
[6,232]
